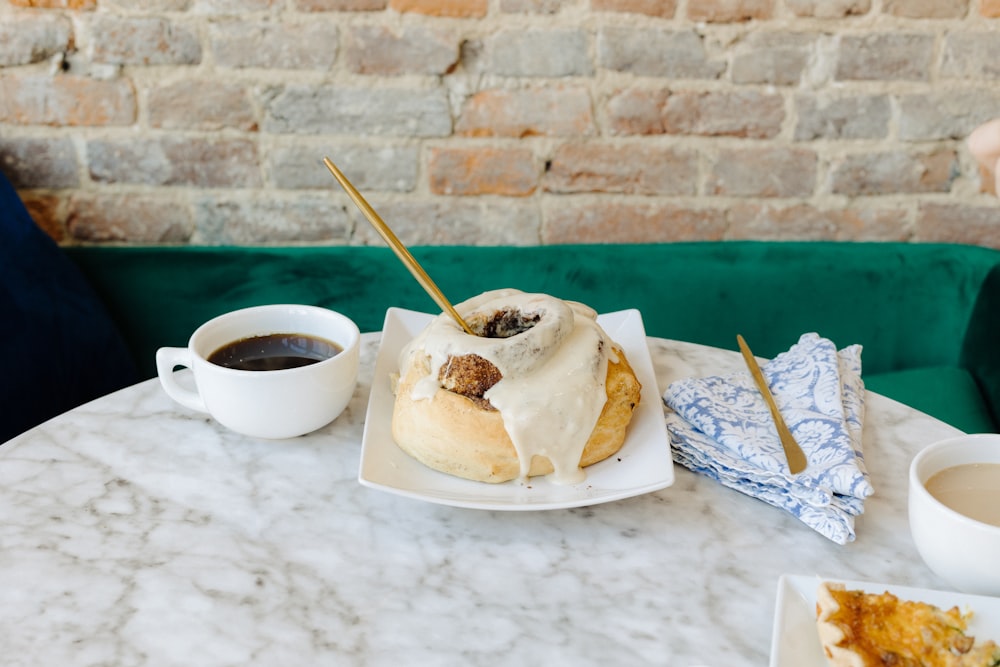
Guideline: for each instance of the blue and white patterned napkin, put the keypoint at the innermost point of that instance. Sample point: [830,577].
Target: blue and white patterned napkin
[721,427]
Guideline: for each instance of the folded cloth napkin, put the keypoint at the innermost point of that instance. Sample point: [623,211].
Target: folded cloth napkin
[721,427]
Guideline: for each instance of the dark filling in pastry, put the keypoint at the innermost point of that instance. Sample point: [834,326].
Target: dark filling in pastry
[504,324]
[472,376]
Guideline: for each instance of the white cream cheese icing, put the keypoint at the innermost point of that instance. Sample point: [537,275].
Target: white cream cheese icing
[552,391]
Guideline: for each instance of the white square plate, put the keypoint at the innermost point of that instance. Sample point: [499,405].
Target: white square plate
[795,642]
[642,465]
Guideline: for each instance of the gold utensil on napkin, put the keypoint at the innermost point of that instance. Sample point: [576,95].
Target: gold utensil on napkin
[796,457]
[397,247]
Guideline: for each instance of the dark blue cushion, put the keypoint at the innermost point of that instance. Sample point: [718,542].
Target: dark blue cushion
[58,346]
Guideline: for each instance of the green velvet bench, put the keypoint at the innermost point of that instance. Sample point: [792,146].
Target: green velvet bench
[928,316]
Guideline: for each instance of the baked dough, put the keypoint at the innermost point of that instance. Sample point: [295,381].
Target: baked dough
[459,397]
[858,629]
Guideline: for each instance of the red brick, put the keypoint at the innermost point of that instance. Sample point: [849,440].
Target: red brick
[482,171]
[885,56]
[829,9]
[131,218]
[302,108]
[369,165]
[46,211]
[807,223]
[637,111]
[927,9]
[660,8]
[454,8]
[552,111]
[234,6]
[657,52]
[378,50]
[888,173]
[730,11]
[763,172]
[33,37]
[154,6]
[778,58]
[873,225]
[749,114]
[530,6]
[954,223]
[631,169]
[175,161]
[31,99]
[528,52]
[341,5]
[242,221]
[969,55]
[201,105]
[455,221]
[273,45]
[56,4]
[944,113]
[842,117]
[619,222]
[40,163]
[673,130]
[142,41]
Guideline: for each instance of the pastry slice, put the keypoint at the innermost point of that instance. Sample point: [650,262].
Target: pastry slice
[859,629]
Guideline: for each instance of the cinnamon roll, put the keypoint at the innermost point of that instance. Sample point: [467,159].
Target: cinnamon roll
[539,390]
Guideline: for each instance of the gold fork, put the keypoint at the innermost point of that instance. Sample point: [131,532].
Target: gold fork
[793,452]
[397,247]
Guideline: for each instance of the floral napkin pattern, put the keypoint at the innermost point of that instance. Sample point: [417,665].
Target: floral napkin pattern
[721,427]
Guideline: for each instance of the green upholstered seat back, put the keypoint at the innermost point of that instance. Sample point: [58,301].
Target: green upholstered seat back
[909,305]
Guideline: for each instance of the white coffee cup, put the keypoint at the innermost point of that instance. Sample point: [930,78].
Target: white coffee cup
[266,403]
[960,549]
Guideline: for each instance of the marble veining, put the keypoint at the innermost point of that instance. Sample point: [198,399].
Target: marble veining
[136,532]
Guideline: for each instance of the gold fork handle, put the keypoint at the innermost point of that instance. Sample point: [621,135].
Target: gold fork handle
[401,251]
[796,457]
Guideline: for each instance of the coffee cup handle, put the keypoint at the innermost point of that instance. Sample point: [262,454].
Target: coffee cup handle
[168,358]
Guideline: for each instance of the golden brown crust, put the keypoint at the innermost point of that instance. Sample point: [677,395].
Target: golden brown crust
[831,633]
[858,629]
[450,433]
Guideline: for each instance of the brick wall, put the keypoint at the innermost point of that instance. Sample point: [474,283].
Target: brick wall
[499,121]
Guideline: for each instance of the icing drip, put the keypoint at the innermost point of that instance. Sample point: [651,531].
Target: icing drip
[552,391]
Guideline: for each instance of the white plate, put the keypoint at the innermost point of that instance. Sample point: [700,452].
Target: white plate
[795,643]
[642,465]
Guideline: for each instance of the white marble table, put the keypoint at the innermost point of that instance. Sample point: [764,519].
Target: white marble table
[135,532]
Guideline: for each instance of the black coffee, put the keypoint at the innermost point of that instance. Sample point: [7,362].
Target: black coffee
[274,352]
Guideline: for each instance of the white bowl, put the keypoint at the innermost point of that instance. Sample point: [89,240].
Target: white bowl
[962,551]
